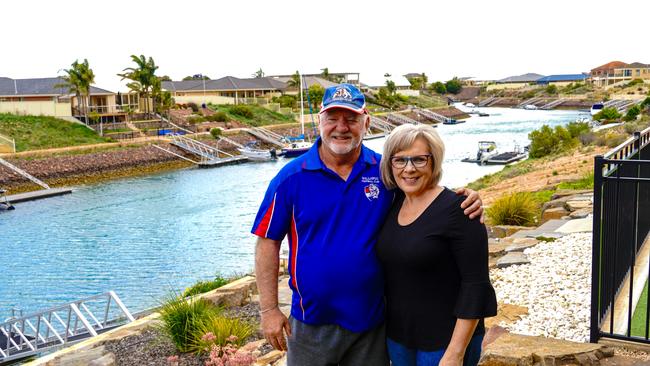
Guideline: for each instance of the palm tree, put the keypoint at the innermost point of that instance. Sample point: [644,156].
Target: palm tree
[294,82]
[258,74]
[143,78]
[78,80]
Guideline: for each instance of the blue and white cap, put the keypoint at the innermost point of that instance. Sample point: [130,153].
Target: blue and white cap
[343,96]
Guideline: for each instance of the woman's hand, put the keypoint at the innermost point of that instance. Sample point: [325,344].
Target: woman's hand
[472,204]
[451,359]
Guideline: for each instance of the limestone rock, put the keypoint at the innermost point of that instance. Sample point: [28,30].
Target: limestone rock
[559,202]
[498,249]
[106,360]
[519,244]
[554,213]
[581,213]
[570,192]
[501,231]
[512,258]
[577,205]
[269,358]
[236,293]
[514,349]
[506,314]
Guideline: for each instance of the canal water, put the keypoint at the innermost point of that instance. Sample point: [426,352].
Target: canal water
[148,236]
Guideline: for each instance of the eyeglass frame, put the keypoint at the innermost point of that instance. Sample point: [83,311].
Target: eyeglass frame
[409,159]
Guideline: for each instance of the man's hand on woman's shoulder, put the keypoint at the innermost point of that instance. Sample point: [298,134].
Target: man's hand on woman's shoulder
[472,204]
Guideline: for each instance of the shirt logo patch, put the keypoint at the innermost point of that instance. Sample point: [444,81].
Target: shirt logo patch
[370,180]
[371,191]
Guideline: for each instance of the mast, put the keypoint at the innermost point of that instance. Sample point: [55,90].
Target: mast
[302,110]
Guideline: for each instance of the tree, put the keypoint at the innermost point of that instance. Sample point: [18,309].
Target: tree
[325,73]
[439,87]
[78,80]
[143,78]
[390,87]
[315,93]
[294,82]
[453,86]
[165,78]
[258,74]
[425,80]
[416,83]
[632,113]
[551,89]
[607,114]
[196,77]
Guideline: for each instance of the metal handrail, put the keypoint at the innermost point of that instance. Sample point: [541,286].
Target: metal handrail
[432,115]
[204,151]
[401,119]
[35,333]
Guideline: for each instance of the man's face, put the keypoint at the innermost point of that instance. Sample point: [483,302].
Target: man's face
[342,130]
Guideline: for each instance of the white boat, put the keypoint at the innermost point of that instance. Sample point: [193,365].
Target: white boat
[470,105]
[298,147]
[253,153]
[486,150]
[530,107]
[596,107]
[4,204]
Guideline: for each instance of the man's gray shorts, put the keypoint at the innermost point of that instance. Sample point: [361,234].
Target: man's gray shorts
[330,345]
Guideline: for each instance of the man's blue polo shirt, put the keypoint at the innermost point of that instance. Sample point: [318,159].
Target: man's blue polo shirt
[333,227]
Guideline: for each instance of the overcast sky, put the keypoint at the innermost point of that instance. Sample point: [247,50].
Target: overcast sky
[485,39]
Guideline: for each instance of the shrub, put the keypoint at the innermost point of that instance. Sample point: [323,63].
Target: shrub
[205,286]
[551,89]
[635,82]
[529,94]
[215,132]
[453,86]
[577,128]
[242,110]
[286,101]
[586,182]
[439,87]
[546,141]
[632,113]
[195,119]
[513,209]
[607,114]
[181,318]
[587,138]
[219,330]
[218,117]
[611,139]
[195,108]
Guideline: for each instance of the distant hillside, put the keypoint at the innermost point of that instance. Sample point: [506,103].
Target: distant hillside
[39,132]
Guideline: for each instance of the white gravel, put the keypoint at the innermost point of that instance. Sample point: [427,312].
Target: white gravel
[555,286]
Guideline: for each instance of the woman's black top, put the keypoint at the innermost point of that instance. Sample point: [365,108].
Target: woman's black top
[436,271]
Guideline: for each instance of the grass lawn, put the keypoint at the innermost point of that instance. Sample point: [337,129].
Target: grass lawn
[39,132]
[425,101]
[260,115]
[639,316]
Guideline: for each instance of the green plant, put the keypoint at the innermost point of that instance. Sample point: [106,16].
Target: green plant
[193,106]
[555,172]
[586,182]
[205,286]
[551,89]
[219,330]
[632,113]
[439,87]
[577,128]
[546,141]
[182,318]
[607,114]
[217,117]
[545,239]
[453,86]
[215,132]
[513,209]
[610,138]
[195,119]
[242,110]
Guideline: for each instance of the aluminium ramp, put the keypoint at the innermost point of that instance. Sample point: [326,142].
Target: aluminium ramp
[24,173]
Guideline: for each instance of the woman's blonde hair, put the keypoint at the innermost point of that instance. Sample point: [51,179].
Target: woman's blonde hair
[402,138]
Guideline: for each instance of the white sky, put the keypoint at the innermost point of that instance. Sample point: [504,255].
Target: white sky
[486,39]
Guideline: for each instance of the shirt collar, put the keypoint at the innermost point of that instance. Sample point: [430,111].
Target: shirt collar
[314,162]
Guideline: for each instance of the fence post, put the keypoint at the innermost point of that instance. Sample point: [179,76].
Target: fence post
[596,250]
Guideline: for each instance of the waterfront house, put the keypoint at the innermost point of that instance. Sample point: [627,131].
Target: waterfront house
[45,96]
[562,80]
[226,90]
[332,77]
[308,81]
[402,85]
[619,72]
[515,82]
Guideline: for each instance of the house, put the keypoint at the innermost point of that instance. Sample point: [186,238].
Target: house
[226,90]
[515,82]
[45,96]
[562,80]
[308,81]
[617,71]
[402,85]
[332,77]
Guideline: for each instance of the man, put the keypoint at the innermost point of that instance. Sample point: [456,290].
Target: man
[331,203]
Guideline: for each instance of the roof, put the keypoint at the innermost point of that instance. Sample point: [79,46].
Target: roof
[225,83]
[309,81]
[413,75]
[638,65]
[564,77]
[610,65]
[39,86]
[525,78]
[378,80]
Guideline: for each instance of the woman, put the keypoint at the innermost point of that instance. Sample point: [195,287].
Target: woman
[435,259]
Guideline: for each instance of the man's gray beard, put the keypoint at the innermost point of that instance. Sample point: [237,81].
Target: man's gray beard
[339,150]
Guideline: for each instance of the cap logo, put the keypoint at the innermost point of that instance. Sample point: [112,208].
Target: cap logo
[342,93]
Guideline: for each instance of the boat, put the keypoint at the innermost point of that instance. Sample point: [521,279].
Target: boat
[451,121]
[470,105]
[596,107]
[297,145]
[252,151]
[481,114]
[4,204]
[373,136]
[486,150]
[530,107]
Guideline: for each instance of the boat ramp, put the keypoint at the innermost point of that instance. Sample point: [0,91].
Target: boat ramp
[209,156]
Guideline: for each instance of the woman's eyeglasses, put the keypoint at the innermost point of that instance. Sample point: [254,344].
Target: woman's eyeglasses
[418,161]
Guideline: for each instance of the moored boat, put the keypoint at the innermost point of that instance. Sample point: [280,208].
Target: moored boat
[596,107]
[4,204]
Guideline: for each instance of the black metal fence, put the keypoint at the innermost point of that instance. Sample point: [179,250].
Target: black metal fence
[620,228]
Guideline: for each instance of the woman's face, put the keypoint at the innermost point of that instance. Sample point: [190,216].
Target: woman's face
[412,179]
